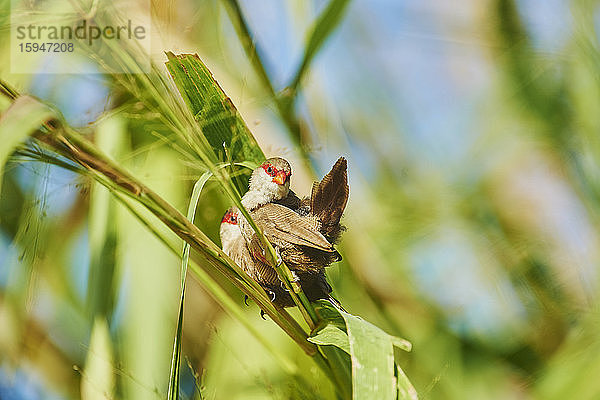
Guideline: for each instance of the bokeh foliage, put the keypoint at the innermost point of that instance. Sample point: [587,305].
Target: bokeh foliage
[481,248]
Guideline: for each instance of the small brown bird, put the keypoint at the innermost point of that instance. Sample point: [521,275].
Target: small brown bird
[315,286]
[235,247]
[304,242]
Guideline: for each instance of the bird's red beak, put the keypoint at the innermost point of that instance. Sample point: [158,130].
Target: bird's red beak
[280,177]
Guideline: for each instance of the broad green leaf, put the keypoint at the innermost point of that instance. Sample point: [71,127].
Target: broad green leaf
[371,351]
[372,356]
[173,392]
[218,118]
[330,335]
[24,117]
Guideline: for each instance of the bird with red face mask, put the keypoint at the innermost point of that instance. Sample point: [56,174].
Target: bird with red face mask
[303,240]
[269,182]
[313,285]
[234,245]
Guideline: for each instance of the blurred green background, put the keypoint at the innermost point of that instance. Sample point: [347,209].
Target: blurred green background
[472,133]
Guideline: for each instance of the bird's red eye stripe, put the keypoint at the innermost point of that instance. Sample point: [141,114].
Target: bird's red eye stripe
[269,169]
[272,171]
[225,217]
[230,218]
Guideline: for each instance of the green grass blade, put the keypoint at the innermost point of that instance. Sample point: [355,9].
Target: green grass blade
[283,101]
[176,359]
[21,119]
[250,46]
[323,27]
[8,90]
[191,214]
[185,259]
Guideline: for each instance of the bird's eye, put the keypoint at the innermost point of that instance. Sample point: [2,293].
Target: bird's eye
[269,170]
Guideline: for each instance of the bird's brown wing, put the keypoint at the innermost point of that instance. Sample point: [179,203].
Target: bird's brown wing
[240,254]
[256,267]
[282,225]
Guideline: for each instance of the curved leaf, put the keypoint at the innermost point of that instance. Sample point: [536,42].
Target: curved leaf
[330,335]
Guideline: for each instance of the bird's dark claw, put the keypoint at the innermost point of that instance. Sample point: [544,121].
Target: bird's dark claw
[246,300]
[262,315]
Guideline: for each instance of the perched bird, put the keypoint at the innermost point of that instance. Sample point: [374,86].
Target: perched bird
[234,245]
[314,286]
[298,236]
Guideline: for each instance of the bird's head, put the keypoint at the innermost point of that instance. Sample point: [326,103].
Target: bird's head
[230,217]
[272,178]
[229,230]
